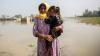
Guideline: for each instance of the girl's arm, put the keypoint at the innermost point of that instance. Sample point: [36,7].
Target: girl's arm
[60,27]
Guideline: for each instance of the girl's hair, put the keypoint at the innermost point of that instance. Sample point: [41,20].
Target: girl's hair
[42,4]
[52,8]
[55,9]
[58,11]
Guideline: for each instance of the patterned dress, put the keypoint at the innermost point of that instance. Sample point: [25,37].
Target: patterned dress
[43,28]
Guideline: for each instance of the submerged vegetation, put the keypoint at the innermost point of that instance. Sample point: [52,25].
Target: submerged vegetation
[90,17]
[90,20]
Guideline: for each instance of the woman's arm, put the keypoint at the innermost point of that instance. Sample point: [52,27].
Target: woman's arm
[43,36]
[39,35]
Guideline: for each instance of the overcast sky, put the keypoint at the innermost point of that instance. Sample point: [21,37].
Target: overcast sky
[26,7]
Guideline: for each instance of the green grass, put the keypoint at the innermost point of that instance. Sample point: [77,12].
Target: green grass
[90,20]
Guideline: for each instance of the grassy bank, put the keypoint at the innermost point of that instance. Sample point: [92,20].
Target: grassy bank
[90,20]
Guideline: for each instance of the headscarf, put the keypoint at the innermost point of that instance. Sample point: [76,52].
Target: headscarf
[47,6]
[43,16]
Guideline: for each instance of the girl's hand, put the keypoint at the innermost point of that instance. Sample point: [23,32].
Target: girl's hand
[57,28]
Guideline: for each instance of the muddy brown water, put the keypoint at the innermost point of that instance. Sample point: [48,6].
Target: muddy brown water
[78,39]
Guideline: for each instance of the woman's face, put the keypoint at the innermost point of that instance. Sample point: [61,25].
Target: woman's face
[42,9]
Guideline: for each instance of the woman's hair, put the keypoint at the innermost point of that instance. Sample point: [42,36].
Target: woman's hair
[42,4]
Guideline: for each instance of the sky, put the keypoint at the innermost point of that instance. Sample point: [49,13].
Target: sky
[69,8]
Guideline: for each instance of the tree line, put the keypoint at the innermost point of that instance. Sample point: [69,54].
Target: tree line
[94,13]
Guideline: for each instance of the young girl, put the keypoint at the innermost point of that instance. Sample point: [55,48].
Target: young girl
[54,20]
[55,23]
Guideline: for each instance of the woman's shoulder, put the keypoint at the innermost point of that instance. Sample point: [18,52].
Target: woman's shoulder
[38,19]
[36,16]
[41,16]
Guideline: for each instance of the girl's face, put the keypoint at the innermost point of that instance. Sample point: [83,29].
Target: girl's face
[42,9]
[52,13]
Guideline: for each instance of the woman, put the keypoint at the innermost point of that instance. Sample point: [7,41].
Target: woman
[41,31]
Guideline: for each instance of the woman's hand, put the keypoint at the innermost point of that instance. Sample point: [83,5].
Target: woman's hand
[49,38]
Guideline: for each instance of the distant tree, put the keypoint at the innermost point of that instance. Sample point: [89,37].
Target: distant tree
[95,13]
[87,13]
[32,16]
[3,16]
[98,13]
[99,8]
[18,16]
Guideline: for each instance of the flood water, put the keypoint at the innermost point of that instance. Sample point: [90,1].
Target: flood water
[78,39]
[15,39]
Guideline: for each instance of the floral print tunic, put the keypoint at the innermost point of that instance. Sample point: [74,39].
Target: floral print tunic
[41,27]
